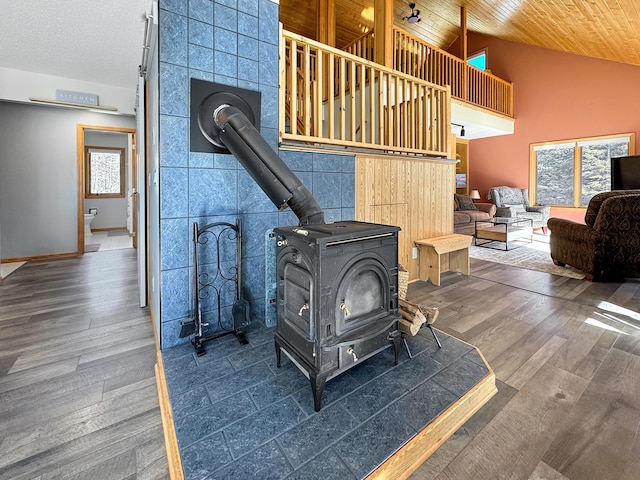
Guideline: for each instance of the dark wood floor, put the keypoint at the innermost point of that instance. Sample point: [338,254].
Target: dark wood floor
[78,395]
[78,398]
[566,354]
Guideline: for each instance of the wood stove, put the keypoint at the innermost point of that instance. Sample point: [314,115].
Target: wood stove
[337,296]
[337,284]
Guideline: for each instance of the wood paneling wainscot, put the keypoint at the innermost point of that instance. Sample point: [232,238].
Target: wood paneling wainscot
[414,193]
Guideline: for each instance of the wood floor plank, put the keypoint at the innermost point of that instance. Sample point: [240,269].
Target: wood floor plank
[119,346]
[88,449]
[594,359]
[122,465]
[25,443]
[498,335]
[545,472]
[574,372]
[6,362]
[78,396]
[633,462]
[597,441]
[20,416]
[83,343]
[513,442]
[522,375]
[470,315]
[573,353]
[512,359]
[9,383]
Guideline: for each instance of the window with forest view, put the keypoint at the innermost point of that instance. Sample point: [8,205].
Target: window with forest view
[104,172]
[570,173]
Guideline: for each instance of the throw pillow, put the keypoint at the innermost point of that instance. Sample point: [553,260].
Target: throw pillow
[456,205]
[465,202]
[517,208]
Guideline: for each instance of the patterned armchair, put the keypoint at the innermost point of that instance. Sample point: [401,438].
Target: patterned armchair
[514,202]
[608,246]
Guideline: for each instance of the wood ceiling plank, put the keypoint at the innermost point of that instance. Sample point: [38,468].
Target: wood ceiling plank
[607,29]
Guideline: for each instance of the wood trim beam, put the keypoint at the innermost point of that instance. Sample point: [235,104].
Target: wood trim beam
[464,47]
[383,28]
[464,52]
[326,22]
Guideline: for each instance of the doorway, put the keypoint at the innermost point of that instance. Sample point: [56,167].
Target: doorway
[110,214]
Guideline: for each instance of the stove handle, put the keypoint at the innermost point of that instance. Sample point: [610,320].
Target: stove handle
[352,352]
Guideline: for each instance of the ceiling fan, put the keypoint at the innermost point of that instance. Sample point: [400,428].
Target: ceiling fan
[415,14]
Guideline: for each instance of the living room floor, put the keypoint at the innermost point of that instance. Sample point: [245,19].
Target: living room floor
[566,354]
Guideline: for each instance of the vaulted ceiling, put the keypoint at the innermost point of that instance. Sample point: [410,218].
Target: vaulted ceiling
[608,29]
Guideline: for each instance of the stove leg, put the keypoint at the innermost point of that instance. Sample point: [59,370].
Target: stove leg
[278,355]
[317,387]
[396,338]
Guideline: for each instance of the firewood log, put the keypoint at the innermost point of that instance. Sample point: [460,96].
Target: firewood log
[414,315]
[408,327]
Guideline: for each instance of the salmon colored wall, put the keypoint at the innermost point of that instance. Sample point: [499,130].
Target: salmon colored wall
[557,96]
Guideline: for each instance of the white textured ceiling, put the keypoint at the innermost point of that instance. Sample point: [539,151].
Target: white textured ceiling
[92,40]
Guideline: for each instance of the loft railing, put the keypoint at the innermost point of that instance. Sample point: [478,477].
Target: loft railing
[415,57]
[362,47]
[333,97]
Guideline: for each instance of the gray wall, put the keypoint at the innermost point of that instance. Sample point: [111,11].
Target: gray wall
[112,212]
[38,177]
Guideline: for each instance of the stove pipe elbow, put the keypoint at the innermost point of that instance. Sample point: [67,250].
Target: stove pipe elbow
[264,165]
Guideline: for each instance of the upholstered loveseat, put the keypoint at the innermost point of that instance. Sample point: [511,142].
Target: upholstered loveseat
[465,213]
[514,202]
[607,246]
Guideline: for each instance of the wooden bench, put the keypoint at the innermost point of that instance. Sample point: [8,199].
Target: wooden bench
[448,253]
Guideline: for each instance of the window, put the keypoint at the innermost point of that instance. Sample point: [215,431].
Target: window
[569,173]
[104,172]
[478,60]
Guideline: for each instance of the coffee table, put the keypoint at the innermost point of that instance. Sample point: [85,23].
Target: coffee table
[503,230]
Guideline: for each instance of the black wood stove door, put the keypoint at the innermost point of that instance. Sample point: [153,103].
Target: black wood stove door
[362,294]
[299,301]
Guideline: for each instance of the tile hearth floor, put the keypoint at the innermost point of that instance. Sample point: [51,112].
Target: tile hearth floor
[238,416]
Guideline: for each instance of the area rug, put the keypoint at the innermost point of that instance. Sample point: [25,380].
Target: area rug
[536,258]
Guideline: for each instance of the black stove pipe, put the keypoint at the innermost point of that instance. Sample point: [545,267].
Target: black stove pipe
[264,165]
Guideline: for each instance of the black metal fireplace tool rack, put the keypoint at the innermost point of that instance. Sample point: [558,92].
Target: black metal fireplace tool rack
[217,286]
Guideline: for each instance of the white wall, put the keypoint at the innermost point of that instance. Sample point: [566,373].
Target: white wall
[38,176]
[112,212]
[153,155]
[19,86]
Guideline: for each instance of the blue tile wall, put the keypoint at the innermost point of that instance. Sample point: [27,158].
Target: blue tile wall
[248,6]
[248,25]
[201,10]
[201,58]
[174,90]
[174,141]
[174,188]
[232,42]
[225,40]
[200,34]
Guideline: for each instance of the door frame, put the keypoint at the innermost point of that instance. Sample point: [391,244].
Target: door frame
[80,131]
